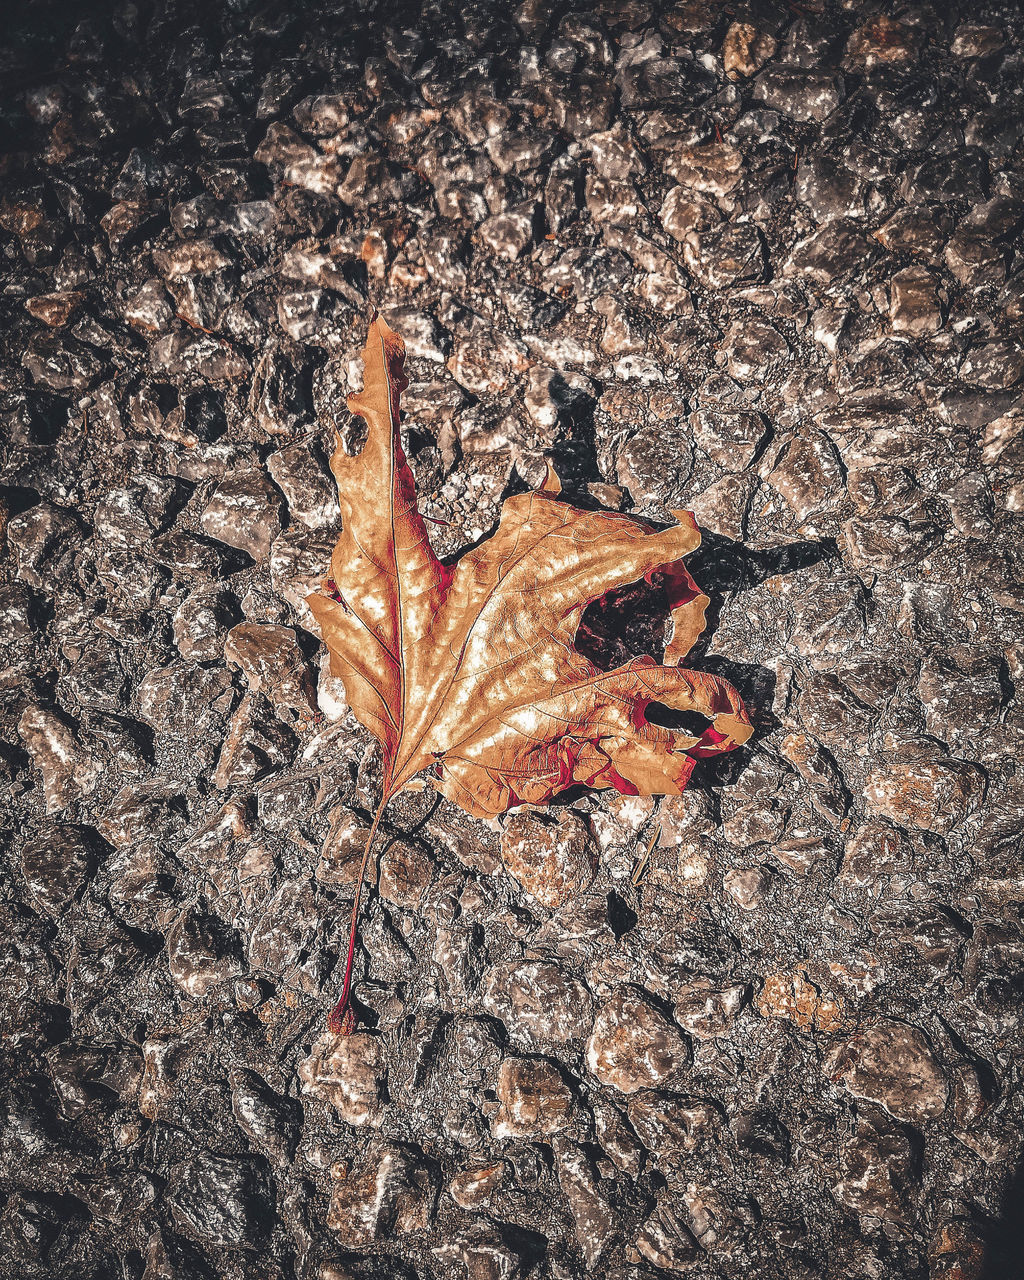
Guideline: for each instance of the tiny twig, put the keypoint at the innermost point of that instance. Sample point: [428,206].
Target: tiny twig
[644,859]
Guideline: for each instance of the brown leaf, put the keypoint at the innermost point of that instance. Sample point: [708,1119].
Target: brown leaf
[470,672]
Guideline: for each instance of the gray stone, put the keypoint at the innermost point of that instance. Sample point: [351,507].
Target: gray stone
[538,1000]
[201,622]
[301,473]
[245,512]
[299,560]
[220,1200]
[730,438]
[725,256]
[804,95]
[198,958]
[655,463]
[266,1118]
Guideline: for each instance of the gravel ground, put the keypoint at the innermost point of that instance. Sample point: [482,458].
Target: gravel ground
[759,261]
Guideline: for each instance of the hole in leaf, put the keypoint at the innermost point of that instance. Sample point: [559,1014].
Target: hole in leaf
[352,433]
[626,623]
[691,722]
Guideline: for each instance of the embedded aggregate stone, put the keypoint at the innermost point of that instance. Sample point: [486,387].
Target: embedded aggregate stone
[543,1000]
[876,1172]
[761,262]
[706,1010]
[548,855]
[244,512]
[934,795]
[67,768]
[892,1064]
[632,1045]
[273,664]
[201,623]
[197,958]
[394,1194]
[533,1099]
[346,1072]
[220,1200]
[56,866]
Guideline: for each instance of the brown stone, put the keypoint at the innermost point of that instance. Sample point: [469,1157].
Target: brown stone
[876,1173]
[791,995]
[68,770]
[666,1242]
[875,850]
[549,854]
[957,1251]
[809,474]
[669,1126]
[54,309]
[597,1224]
[892,1063]
[473,1188]
[745,50]
[632,1045]
[347,1072]
[882,42]
[713,169]
[723,506]
[931,795]
[914,303]
[393,1193]
[255,744]
[404,873]
[685,210]
[534,1099]
[273,665]
[56,866]
[195,257]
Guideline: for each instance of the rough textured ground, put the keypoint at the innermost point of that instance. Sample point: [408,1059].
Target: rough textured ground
[762,262]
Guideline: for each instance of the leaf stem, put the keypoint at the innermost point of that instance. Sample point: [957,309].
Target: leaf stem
[343,1020]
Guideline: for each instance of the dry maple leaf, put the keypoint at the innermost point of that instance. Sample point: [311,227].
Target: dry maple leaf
[469,672]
